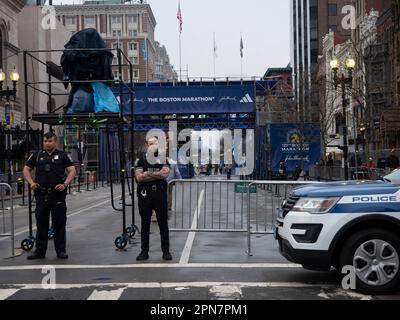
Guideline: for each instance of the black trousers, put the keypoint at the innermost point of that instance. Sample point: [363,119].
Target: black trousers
[154,198]
[55,205]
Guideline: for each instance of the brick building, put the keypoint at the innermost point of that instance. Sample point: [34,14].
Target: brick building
[386,57]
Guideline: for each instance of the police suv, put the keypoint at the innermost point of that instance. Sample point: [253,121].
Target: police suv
[345,224]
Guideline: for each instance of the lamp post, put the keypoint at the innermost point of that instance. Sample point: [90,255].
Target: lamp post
[344,81]
[9,93]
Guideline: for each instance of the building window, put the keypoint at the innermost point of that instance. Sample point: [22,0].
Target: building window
[136,74]
[117,33]
[132,33]
[116,75]
[90,20]
[332,9]
[333,28]
[116,19]
[133,46]
[134,60]
[314,34]
[70,20]
[132,19]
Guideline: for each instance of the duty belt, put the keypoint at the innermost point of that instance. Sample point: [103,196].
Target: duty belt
[43,190]
[47,192]
[153,187]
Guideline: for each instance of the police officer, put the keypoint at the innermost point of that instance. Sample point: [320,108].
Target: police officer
[152,195]
[50,189]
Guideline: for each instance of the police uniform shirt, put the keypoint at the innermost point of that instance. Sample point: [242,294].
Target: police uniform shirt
[50,168]
[143,164]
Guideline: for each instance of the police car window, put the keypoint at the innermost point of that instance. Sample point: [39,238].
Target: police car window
[395,175]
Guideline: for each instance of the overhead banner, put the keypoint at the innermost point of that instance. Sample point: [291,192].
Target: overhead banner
[295,145]
[192,100]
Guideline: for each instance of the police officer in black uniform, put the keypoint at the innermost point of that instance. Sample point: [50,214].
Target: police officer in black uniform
[152,194]
[50,189]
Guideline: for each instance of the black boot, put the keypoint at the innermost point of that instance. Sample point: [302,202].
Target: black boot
[167,256]
[36,256]
[143,256]
[62,255]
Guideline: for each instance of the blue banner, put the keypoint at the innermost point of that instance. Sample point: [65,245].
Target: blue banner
[294,146]
[193,100]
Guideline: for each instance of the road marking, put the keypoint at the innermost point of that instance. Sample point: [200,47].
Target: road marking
[26,229]
[226,292]
[173,285]
[220,290]
[161,265]
[343,293]
[6,293]
[190,239]
[106,294]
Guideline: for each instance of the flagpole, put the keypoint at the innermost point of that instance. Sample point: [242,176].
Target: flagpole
[214,53]
[147,70]
[180,55]
[179,16]
[147,61]
[241,56]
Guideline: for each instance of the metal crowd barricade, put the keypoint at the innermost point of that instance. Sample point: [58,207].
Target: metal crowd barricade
[235,206]
[266,198]
[7,200]
[208,206]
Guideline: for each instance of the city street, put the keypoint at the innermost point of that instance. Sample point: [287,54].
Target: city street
[212,266]
[264,134]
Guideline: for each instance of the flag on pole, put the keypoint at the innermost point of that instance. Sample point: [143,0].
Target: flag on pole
[241,46]
[179,17]
[145,51]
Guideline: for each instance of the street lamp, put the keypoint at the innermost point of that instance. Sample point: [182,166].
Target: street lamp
[9,93]
[344,81]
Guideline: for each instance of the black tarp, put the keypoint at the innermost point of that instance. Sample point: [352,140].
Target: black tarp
[87,64]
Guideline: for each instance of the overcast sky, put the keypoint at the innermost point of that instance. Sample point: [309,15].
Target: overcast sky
[264,25]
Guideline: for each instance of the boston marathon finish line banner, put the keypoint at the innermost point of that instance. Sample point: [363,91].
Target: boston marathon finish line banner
[192,100]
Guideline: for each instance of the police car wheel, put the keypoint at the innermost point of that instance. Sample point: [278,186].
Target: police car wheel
[375,255]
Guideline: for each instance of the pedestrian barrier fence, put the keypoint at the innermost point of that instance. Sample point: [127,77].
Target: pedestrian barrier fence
[235,206]
[7,214]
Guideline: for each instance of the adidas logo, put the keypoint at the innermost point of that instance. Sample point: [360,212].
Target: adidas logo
[247,99]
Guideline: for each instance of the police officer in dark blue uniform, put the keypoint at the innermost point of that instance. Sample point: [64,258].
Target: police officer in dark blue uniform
[50,190]
[152,194]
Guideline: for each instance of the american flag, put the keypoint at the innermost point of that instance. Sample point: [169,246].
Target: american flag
[179,17]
